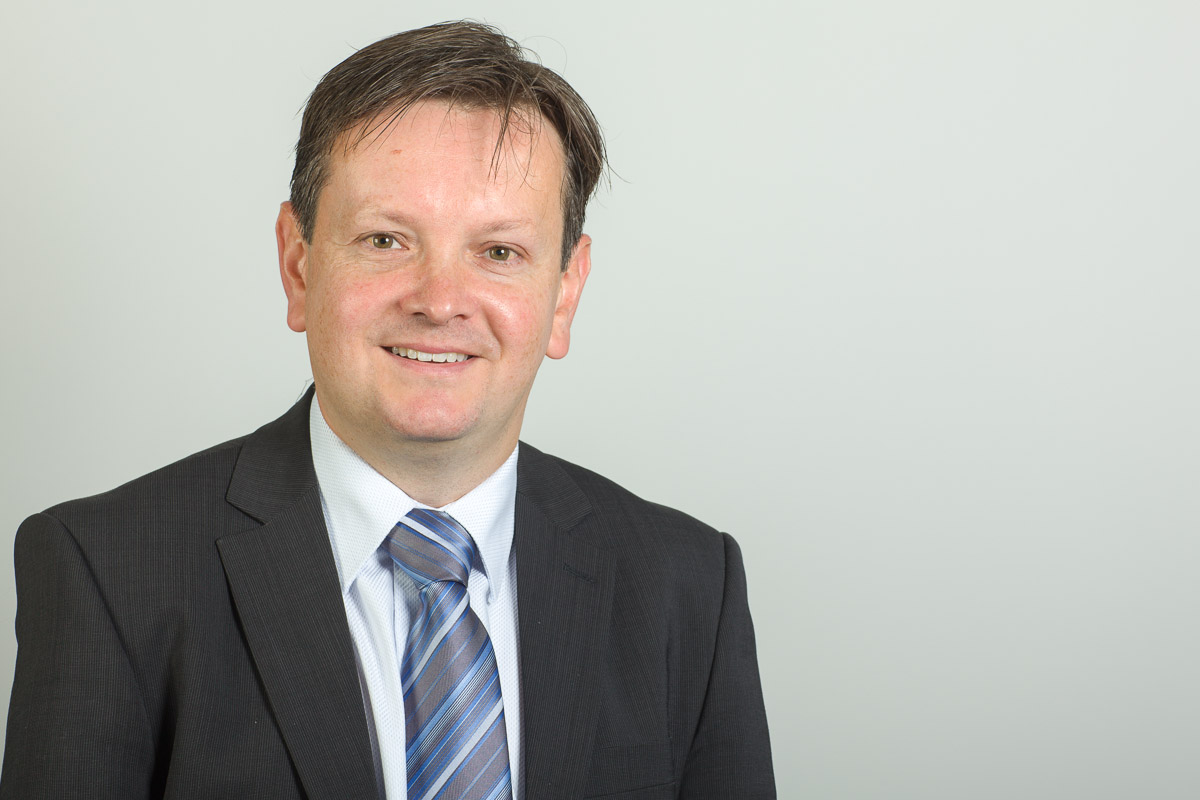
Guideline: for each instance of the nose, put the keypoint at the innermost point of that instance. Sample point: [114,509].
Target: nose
[438,289]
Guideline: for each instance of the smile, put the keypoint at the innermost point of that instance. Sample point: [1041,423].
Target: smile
[418,355]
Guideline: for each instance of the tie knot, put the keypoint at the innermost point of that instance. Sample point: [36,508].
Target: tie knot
[431,546]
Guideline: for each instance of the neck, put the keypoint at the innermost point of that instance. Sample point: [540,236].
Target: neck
[437,473]
[431,472]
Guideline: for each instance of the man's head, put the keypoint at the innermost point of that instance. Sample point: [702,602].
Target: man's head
[464,64]
[424,252]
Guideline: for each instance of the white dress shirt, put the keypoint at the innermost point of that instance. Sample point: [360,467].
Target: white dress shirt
[361,507]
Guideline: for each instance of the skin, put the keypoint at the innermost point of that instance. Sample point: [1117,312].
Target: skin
[421,242]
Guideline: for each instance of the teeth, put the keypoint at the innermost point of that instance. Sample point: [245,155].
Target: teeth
[417,355]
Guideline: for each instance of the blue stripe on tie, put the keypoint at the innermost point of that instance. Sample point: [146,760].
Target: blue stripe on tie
[411,681]
[456,666]
[423,642]
[457,761]
[434,612]
[436,754]
[454,711]
[447,536]
[417,563]
[434,717]
[445,727]
[437,524]
[503,785]
[483,770]
[467,761]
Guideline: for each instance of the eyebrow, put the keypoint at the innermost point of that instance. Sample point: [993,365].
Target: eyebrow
[503,226]
[496,226]
[371,213]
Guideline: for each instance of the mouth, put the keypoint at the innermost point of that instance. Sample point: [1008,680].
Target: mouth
[420,355]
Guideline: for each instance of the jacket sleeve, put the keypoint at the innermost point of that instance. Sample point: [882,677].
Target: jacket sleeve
[77,723]
[730,755]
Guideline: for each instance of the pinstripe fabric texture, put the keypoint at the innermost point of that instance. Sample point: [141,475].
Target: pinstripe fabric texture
[454,714]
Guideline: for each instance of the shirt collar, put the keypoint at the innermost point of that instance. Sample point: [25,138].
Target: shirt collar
[361,507]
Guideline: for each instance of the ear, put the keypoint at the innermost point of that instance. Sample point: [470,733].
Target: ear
[293,265]
[569,289]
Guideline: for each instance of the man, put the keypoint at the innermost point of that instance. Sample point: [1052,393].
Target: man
[382,593]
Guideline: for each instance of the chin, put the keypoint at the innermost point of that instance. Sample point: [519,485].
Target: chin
[434,425]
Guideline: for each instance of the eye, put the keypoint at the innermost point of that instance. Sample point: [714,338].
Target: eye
[499,253]
[382,241]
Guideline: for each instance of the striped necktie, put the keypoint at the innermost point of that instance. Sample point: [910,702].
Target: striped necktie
[456,747]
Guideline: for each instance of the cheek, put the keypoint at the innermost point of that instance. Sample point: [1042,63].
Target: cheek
[345,307]
[522,322]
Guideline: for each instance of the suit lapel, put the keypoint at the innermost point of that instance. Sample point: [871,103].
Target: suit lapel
[564,600]
[284,584]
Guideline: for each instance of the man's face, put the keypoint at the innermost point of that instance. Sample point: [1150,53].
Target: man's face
[432,286]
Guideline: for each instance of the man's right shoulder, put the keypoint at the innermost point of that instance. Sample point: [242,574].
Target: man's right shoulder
[194,492]
[191,481]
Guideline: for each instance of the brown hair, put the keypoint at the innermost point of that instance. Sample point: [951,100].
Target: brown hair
[464,63]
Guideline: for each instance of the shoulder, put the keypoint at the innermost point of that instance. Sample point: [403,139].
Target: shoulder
[146,552]
[195,495]
[164,522]
[144,546]
[607,498]
[639,532]
[174,492]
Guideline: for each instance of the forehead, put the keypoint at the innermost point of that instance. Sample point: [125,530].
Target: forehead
[434,142]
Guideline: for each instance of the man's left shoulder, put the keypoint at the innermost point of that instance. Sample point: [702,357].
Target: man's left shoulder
[615,518]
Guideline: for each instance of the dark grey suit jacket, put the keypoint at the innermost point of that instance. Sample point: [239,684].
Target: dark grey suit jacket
[183,636]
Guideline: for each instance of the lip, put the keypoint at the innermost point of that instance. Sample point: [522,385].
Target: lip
[426,347]
[432,366]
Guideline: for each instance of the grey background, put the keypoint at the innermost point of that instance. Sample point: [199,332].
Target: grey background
[901,294]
